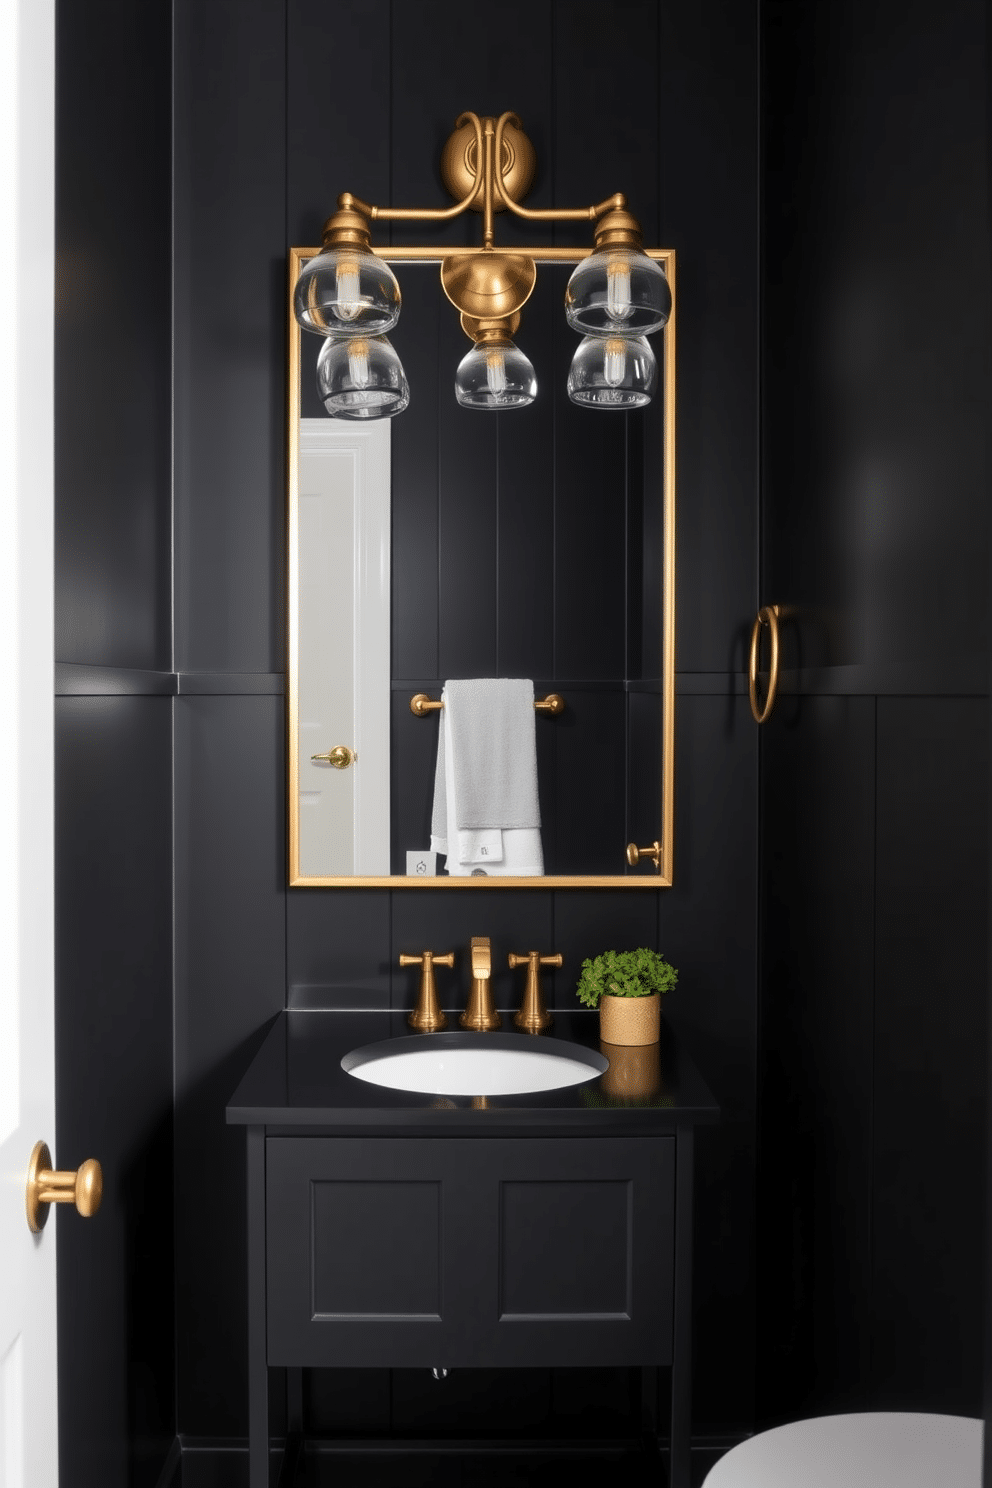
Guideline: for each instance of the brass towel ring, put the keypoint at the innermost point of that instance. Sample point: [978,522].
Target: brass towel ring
[767,615]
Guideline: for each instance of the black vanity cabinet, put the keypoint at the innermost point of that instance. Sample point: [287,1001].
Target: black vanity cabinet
[395,1230]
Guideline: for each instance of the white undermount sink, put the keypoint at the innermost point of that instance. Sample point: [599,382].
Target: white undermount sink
[474,1064]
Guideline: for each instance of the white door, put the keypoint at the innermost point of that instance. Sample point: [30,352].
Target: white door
[343,624]
[28,1403]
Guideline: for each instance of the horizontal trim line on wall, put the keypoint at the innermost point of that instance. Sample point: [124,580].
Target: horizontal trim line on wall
[72,679]
[382,1446]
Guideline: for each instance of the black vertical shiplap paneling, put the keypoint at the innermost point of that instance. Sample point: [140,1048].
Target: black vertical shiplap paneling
[525,538]
[708,125]
[707,929]
[877,186]
[112,306]
[447,58]
[606,116]
[337,948]
[590,522]
[875,509]
[113,756]
[337,110]
[467,520]
[463,507]
[816,1056]
[230,979]
[931,969]
[114,1079]
[230,345]
[415,458]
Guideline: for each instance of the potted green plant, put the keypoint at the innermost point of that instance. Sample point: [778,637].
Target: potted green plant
[626,986]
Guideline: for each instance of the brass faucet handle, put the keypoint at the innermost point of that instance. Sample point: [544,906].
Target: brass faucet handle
[428,1016]
[482,956]
[533,1016]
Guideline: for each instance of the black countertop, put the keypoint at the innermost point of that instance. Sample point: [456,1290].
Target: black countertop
[296,1081]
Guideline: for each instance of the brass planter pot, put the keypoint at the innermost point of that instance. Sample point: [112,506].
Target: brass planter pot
[630,1020]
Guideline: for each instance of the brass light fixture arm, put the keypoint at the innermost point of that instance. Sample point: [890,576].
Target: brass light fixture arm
[547,214]
[422,214]
[489,150]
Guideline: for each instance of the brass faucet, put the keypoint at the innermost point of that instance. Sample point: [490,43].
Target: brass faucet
[480,1015]
[427,1016]
[533,1016]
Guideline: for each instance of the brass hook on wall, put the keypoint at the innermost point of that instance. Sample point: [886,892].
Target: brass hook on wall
[768,616]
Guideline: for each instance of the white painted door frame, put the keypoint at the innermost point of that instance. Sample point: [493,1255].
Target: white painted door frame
[28,1373]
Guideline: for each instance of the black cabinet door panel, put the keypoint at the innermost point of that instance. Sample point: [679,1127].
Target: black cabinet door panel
[462,1252]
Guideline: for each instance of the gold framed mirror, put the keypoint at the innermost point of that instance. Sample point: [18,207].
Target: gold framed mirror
[444,544]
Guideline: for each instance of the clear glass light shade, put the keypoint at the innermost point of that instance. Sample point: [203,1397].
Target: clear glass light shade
[618,292]
[347,292]
[361,377]
[613,372]
[495,375]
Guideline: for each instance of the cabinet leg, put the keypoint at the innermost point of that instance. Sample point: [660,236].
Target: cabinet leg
[258,1372]
[681,1438]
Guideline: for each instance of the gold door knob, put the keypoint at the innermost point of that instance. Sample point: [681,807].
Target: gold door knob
[84,1187]
[652,854]
[340,756]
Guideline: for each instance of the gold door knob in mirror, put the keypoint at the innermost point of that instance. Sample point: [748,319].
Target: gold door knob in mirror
[340,756]
[652,854]
[45,1187]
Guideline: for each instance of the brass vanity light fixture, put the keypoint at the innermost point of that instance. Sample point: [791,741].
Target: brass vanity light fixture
[617,295]
[532,1015]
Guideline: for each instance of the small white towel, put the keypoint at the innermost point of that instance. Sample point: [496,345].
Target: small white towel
[487,814]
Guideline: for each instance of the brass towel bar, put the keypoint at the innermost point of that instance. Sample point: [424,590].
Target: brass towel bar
[421,704]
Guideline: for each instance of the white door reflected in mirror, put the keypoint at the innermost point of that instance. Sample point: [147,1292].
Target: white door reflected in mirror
[344,678]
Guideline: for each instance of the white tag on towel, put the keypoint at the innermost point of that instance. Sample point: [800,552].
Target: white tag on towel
[480,845]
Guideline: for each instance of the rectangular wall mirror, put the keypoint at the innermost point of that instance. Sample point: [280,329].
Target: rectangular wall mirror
[452,543]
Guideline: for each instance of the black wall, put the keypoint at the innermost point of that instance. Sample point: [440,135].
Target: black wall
[874,770]
[113,738]
[177,937]
[268,131]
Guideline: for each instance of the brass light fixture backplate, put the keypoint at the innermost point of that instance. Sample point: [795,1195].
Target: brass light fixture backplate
[460,166]
[488,285]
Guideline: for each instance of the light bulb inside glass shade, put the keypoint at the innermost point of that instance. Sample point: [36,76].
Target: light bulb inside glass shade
[495,375]
[612,372]
[618,290]
[361,377]
[347,292]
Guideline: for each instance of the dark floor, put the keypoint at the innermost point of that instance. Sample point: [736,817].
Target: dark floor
[588,1468]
